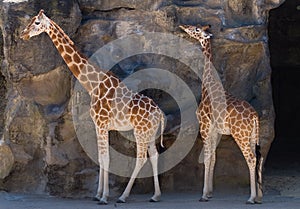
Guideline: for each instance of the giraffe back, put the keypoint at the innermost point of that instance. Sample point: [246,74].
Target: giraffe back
[118,108]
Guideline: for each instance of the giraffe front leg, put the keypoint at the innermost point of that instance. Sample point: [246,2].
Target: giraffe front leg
[207,162]
[105,194]
[103,158]
[211,174]
[215,140]
[153,154]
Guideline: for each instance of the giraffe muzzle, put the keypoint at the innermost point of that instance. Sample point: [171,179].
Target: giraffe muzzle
[183,27]
[24,35]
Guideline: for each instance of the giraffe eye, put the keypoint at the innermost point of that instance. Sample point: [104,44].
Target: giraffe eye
[37,22]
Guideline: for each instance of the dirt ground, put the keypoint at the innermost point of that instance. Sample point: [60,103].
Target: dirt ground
[169,201]
[281,191]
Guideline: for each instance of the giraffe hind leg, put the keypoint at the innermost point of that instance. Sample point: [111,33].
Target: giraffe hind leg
[153,154]
[250,158]
[100,183]
[139,164]
[140,161]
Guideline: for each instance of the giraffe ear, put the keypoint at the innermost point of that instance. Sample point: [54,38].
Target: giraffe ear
[204,28]
[198,26]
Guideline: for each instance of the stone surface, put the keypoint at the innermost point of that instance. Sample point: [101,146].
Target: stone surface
[38,88]
[6,159]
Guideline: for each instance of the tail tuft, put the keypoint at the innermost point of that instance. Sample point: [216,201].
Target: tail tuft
[258,168]
[259,160]
[162,125]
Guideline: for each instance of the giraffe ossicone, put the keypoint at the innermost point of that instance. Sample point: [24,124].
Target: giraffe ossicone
[113,107]
[221,113]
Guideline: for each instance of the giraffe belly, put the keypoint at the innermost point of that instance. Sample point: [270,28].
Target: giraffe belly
[225,131]
[121,125]
[222,129]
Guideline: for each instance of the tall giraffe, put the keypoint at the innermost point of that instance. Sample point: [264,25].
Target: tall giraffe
[220,113]
[113,107]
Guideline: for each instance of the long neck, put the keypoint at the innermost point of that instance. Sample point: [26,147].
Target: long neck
[213,92]
[212,86]
[77,63]
[206,50]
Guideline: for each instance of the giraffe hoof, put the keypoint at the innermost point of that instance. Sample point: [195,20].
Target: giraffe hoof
[202,199]
[153,200]
[121,201]
[102,202]
[258,201]
[250,202]
[96,199]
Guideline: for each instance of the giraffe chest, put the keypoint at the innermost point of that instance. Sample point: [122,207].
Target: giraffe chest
[209,119]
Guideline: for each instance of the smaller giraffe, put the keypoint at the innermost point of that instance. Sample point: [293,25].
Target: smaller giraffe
[230,116]
[113,107]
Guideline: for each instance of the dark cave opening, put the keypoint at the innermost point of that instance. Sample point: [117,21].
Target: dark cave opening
[284,45]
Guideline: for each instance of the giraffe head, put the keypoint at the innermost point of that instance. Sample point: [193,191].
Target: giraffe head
[199,33]
[37,25]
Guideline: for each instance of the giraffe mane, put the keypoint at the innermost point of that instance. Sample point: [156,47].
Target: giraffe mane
[62,32]
[97,68]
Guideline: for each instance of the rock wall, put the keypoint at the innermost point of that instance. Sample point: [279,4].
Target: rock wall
[36,87]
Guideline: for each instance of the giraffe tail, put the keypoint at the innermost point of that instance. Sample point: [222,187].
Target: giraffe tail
[162,125]
[259,160]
